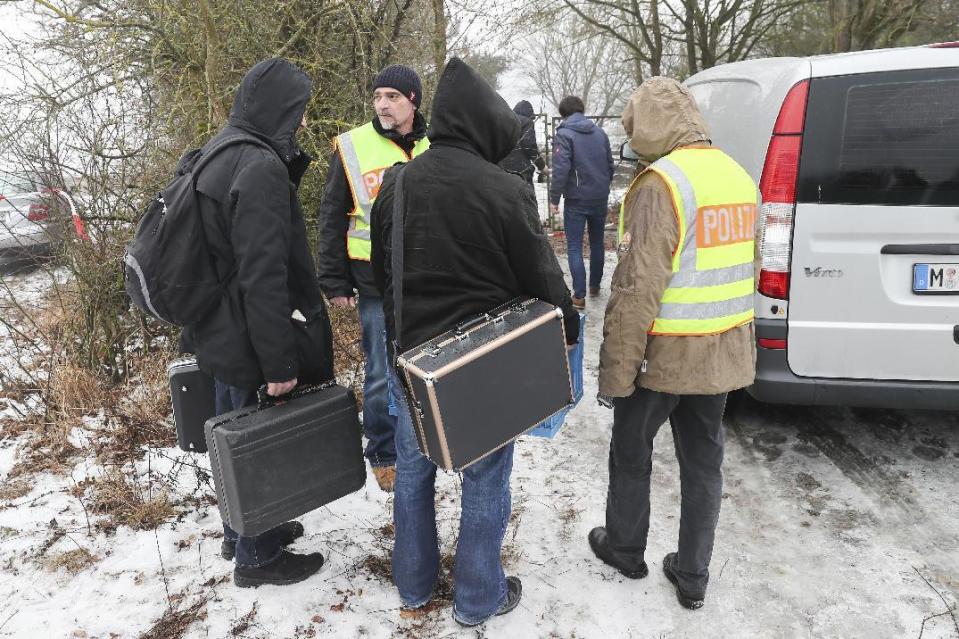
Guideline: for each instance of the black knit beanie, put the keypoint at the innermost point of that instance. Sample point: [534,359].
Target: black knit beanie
[403,79]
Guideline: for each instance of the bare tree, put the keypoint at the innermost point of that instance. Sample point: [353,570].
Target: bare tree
[574,59]
[634,24]
[725,30]
[112,92]
[700,33]
[867,24]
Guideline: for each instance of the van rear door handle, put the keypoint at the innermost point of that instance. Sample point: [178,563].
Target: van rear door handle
[955,334]
[920,249]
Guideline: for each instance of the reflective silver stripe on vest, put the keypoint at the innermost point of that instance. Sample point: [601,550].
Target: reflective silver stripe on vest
[351,162]
[713,277]
[706,310]
[360,234]
[687,256]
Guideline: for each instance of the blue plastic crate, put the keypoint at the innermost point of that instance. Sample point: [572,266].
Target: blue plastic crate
[551,426]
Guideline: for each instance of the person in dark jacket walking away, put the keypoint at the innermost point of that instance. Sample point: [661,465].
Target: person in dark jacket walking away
[582,172]
[360,157]
[526,155]
[472,241]
[254,229]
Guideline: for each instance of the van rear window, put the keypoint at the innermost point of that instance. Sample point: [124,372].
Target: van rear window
[882,138]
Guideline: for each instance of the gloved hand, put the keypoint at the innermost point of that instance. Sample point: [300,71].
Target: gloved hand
[606,401]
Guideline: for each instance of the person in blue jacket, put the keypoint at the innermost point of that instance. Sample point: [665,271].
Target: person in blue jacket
[582,172]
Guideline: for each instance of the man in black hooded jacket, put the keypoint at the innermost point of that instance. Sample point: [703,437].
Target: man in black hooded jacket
[525,155]
[472,241]
[255,230]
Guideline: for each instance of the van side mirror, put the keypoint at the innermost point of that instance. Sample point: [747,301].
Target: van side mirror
[626,153]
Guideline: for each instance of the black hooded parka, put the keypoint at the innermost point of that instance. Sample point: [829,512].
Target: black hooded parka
[525,155]
[255,230]
[472,236]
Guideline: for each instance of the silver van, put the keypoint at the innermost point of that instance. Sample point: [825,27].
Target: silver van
[857,158]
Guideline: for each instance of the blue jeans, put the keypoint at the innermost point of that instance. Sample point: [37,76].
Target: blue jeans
[379,425]
[251,552]
[479,586]
[576,220]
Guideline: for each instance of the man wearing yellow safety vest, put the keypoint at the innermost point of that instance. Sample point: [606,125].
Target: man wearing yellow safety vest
[360,157]
[678,333]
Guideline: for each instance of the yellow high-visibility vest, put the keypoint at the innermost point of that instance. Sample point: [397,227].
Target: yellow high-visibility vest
[715,200]
[366,155]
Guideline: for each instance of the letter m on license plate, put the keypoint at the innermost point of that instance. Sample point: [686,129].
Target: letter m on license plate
[935,279]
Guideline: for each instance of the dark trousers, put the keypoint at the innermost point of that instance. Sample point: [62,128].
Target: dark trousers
[697,426]
[577,220]
[265,548]
[379,417]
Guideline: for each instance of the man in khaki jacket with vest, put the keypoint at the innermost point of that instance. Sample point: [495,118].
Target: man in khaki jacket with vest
[678,334]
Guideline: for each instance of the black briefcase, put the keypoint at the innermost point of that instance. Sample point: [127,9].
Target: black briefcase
[192,395]
[476,388]
[272,464]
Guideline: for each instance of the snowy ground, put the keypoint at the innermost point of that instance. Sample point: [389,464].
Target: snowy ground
[833,521]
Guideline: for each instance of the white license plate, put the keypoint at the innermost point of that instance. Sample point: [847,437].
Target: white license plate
[935,278]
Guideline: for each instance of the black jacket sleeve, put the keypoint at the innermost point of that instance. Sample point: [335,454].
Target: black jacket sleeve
[381,229]
[332,261]
[261,242]
[530,149]
[381,226]
[533,261]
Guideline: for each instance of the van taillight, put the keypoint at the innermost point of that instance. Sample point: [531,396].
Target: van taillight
[772,344]
[778,187]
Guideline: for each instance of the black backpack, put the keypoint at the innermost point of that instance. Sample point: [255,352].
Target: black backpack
[169,272]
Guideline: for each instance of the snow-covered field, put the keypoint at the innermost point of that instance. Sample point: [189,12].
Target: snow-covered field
[835,523]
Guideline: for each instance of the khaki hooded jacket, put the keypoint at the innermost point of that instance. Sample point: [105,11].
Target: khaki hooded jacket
[660,117]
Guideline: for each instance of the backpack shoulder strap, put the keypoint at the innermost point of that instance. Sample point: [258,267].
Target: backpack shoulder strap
[396,254]
[228,142]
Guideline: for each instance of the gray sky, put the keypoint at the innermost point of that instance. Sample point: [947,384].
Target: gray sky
[13,24]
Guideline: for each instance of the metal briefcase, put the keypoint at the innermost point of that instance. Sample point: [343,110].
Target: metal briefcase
[476,388]
[192,396]
[273,464]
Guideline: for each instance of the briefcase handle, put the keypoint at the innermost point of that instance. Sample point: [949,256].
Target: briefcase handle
[265,401]
[473,322]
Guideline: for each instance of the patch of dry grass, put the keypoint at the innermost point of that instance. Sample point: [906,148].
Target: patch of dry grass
[120,502]
[178,617]
[12,489]
[176,621]
[74,392]
[72,561]
[45,446]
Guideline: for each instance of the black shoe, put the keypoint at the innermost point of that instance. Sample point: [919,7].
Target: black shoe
[599,542]
[289,532]
[685,600]
[514,592]
[289,568]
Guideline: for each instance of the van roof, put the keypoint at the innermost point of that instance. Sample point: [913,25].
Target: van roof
[920,57]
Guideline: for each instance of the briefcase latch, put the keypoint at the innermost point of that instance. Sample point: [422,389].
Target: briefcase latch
[433,352]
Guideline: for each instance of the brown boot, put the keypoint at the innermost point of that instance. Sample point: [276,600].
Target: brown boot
[594,291]
[579,303]
[385,477]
